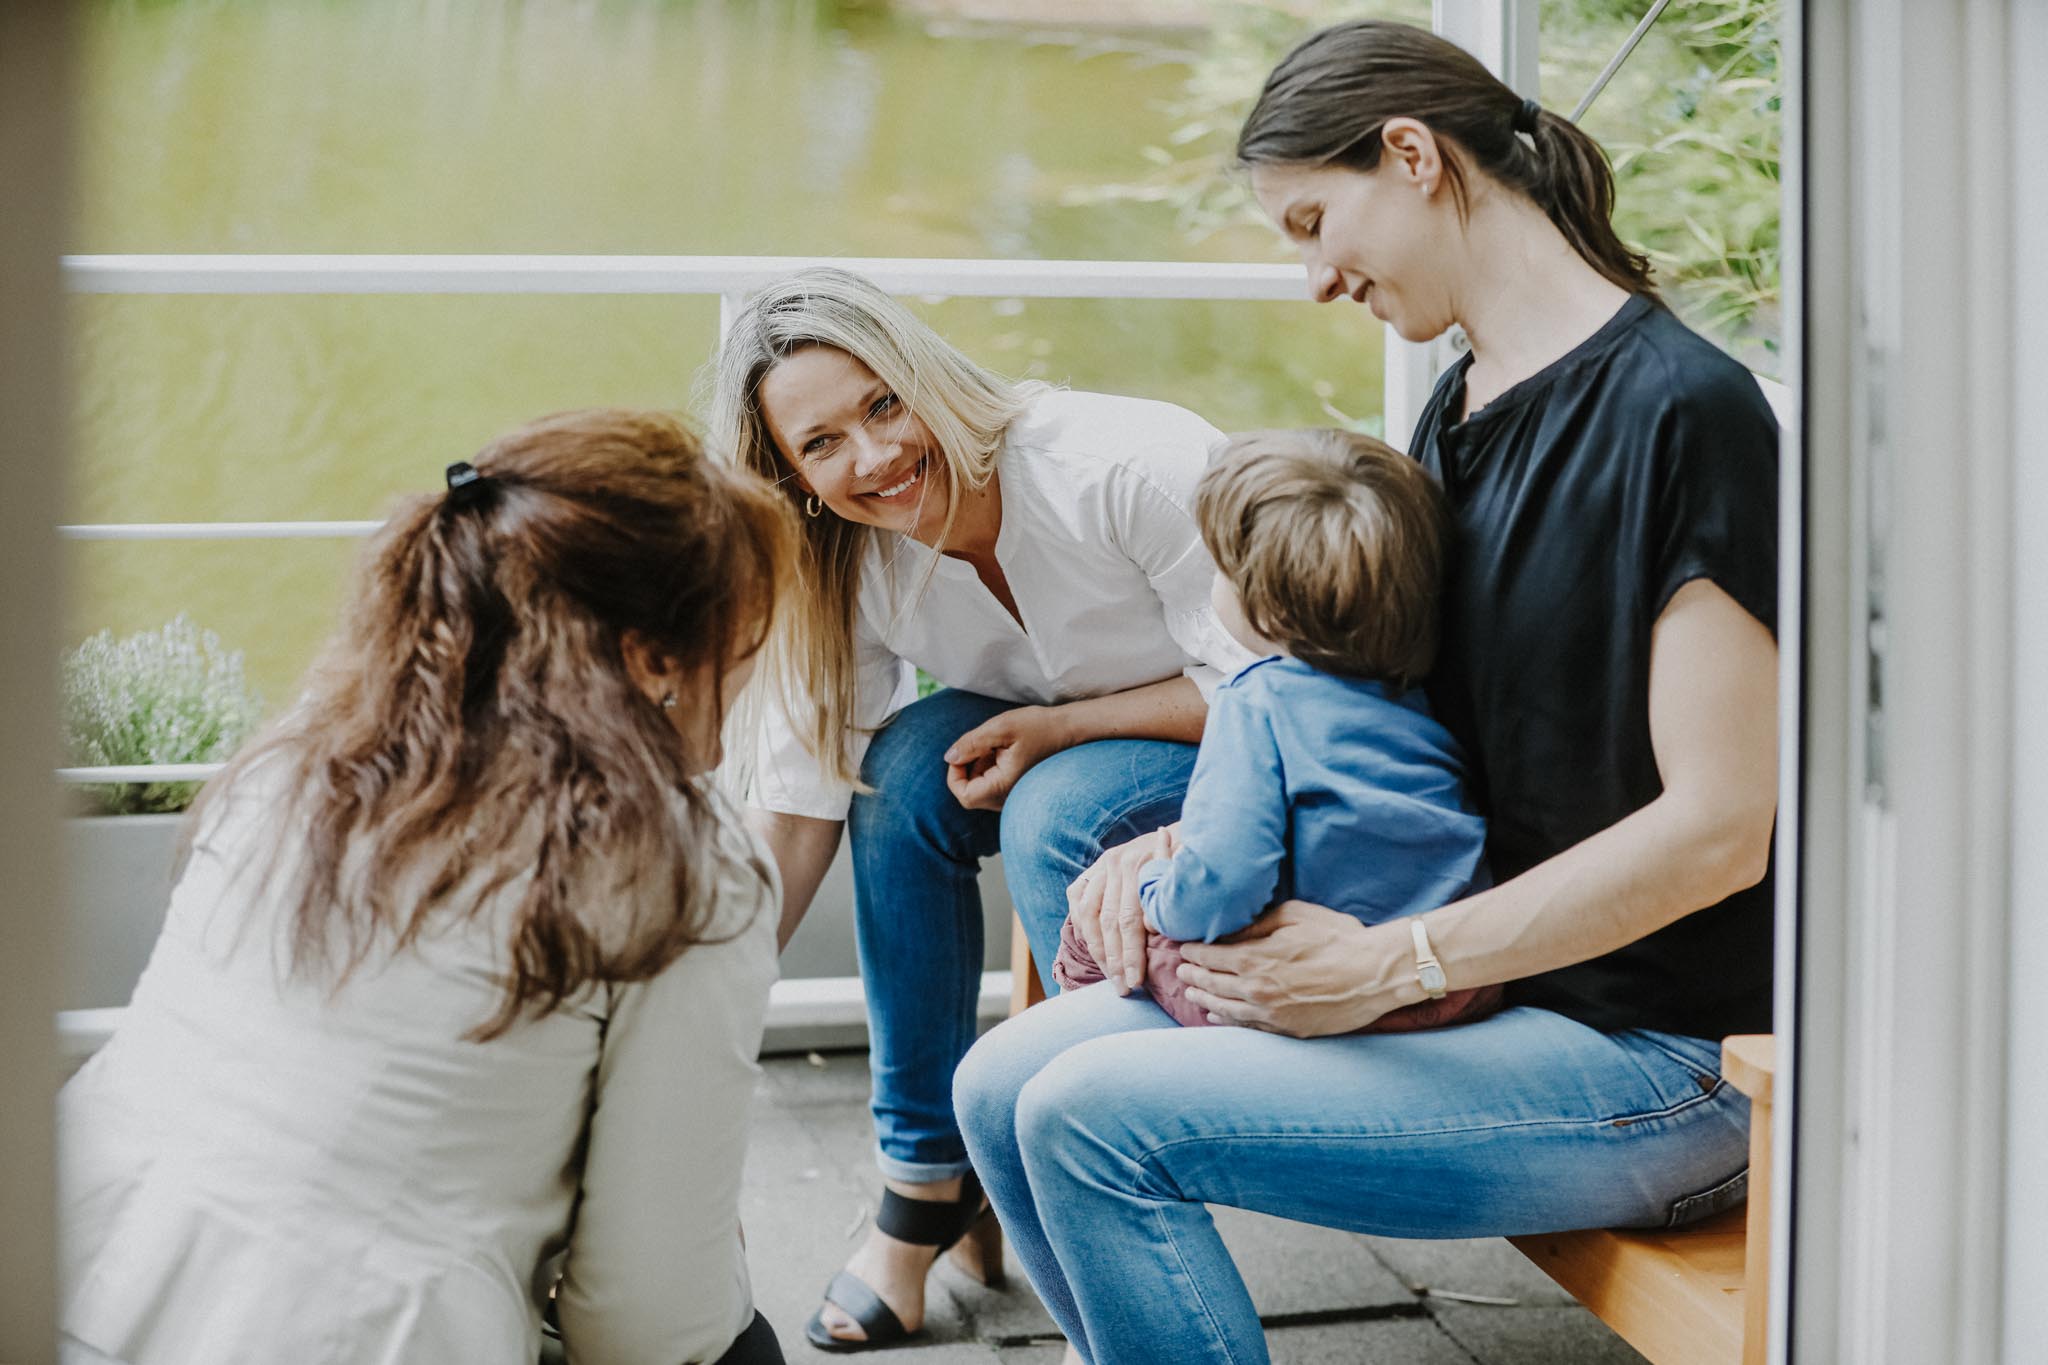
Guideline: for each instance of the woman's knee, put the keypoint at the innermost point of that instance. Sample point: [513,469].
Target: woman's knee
[986,1082]
[905,773]
[1073,1111]
[1052,812]
[1082,799]
[997,1068]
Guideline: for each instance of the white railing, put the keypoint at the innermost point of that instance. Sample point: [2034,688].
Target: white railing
[725,276]
[220,530]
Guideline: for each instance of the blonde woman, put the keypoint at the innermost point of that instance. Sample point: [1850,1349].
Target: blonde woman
[1034,550]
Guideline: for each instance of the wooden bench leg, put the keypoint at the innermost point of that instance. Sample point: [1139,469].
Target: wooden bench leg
[1750,1063]
[1026,989]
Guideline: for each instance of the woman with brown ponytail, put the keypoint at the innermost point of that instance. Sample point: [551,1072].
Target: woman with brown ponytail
[465,975]
[1608,663]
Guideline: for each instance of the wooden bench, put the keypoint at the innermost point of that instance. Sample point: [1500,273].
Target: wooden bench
[1695,1295]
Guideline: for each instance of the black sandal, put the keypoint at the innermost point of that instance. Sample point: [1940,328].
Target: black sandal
[935,1223]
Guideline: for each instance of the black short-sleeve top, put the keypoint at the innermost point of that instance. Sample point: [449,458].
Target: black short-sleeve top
[1583,499]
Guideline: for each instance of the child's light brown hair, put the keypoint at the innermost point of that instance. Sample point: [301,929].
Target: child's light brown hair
[1334,542]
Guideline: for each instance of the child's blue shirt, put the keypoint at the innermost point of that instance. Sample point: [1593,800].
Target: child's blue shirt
[1321,788]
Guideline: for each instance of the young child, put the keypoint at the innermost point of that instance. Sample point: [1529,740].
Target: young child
[1322,775]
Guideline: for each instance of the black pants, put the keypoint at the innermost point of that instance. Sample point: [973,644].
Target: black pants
[755,1346]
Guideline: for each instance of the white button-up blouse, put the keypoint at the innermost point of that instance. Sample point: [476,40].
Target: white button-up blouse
[260,1168]
[1100,548]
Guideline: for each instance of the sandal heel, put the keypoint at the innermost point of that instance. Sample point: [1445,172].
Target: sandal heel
[963,1228]
[979,1254]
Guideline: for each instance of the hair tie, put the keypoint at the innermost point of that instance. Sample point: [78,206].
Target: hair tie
[465,483]
[1526,115]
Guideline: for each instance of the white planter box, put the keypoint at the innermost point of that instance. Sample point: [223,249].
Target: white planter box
[120,882]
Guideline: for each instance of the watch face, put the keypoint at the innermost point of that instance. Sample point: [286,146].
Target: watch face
[1432,977]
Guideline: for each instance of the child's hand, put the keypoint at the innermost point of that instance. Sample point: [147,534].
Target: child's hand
[986,762]
[1103,906]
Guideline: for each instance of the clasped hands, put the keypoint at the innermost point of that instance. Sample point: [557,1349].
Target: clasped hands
[1300,969]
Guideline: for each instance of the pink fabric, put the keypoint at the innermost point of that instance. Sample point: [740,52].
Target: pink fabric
[1074,968]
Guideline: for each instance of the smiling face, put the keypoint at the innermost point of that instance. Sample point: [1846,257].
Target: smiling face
[851,441]
[1376,237]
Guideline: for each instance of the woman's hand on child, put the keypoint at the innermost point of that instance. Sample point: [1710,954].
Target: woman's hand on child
[1103,904]
[986,762]
[1303,970]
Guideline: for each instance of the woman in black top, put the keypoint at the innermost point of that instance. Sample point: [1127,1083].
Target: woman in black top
[1608,661]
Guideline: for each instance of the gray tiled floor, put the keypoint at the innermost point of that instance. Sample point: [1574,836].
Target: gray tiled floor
[1327,1296]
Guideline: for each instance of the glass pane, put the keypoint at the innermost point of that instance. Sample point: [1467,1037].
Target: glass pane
[619,126]
[1694,123]
[317,408]
[1241,365]
[288,409]
[626,126]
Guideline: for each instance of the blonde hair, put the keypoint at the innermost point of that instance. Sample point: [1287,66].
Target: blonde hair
[966,408]
[1334,542]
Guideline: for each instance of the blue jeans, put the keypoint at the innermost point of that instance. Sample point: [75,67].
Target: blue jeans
[1100,1128]
[917,908]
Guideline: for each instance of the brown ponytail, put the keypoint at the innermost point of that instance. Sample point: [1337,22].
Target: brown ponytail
[472,736]
[1327,101]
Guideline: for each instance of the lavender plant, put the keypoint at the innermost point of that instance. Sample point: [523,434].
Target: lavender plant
[173,695]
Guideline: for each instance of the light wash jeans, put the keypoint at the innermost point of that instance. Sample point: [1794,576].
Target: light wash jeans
[1100,1129]
[917,907]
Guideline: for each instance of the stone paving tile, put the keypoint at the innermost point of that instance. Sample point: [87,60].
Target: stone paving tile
[943,1353]
[1533,1336]
[1008,1314]
[1482,1265]
[834,1078]
[1396,1341]
[1297,1268]
[1029,1355]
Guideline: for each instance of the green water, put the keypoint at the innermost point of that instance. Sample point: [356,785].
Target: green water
[629,126]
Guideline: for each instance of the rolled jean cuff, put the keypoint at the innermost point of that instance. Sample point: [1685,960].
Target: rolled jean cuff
[920,1172]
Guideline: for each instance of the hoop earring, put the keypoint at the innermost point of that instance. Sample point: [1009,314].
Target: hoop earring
[812,506]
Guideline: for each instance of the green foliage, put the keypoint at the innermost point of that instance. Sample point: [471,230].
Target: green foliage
[1692,122]
[1696,166]
[173,695]
[1193,170]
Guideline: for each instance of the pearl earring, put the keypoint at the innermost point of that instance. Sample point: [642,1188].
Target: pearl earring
[668,701]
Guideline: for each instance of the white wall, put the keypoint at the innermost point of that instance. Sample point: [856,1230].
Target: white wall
[2026,1208]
